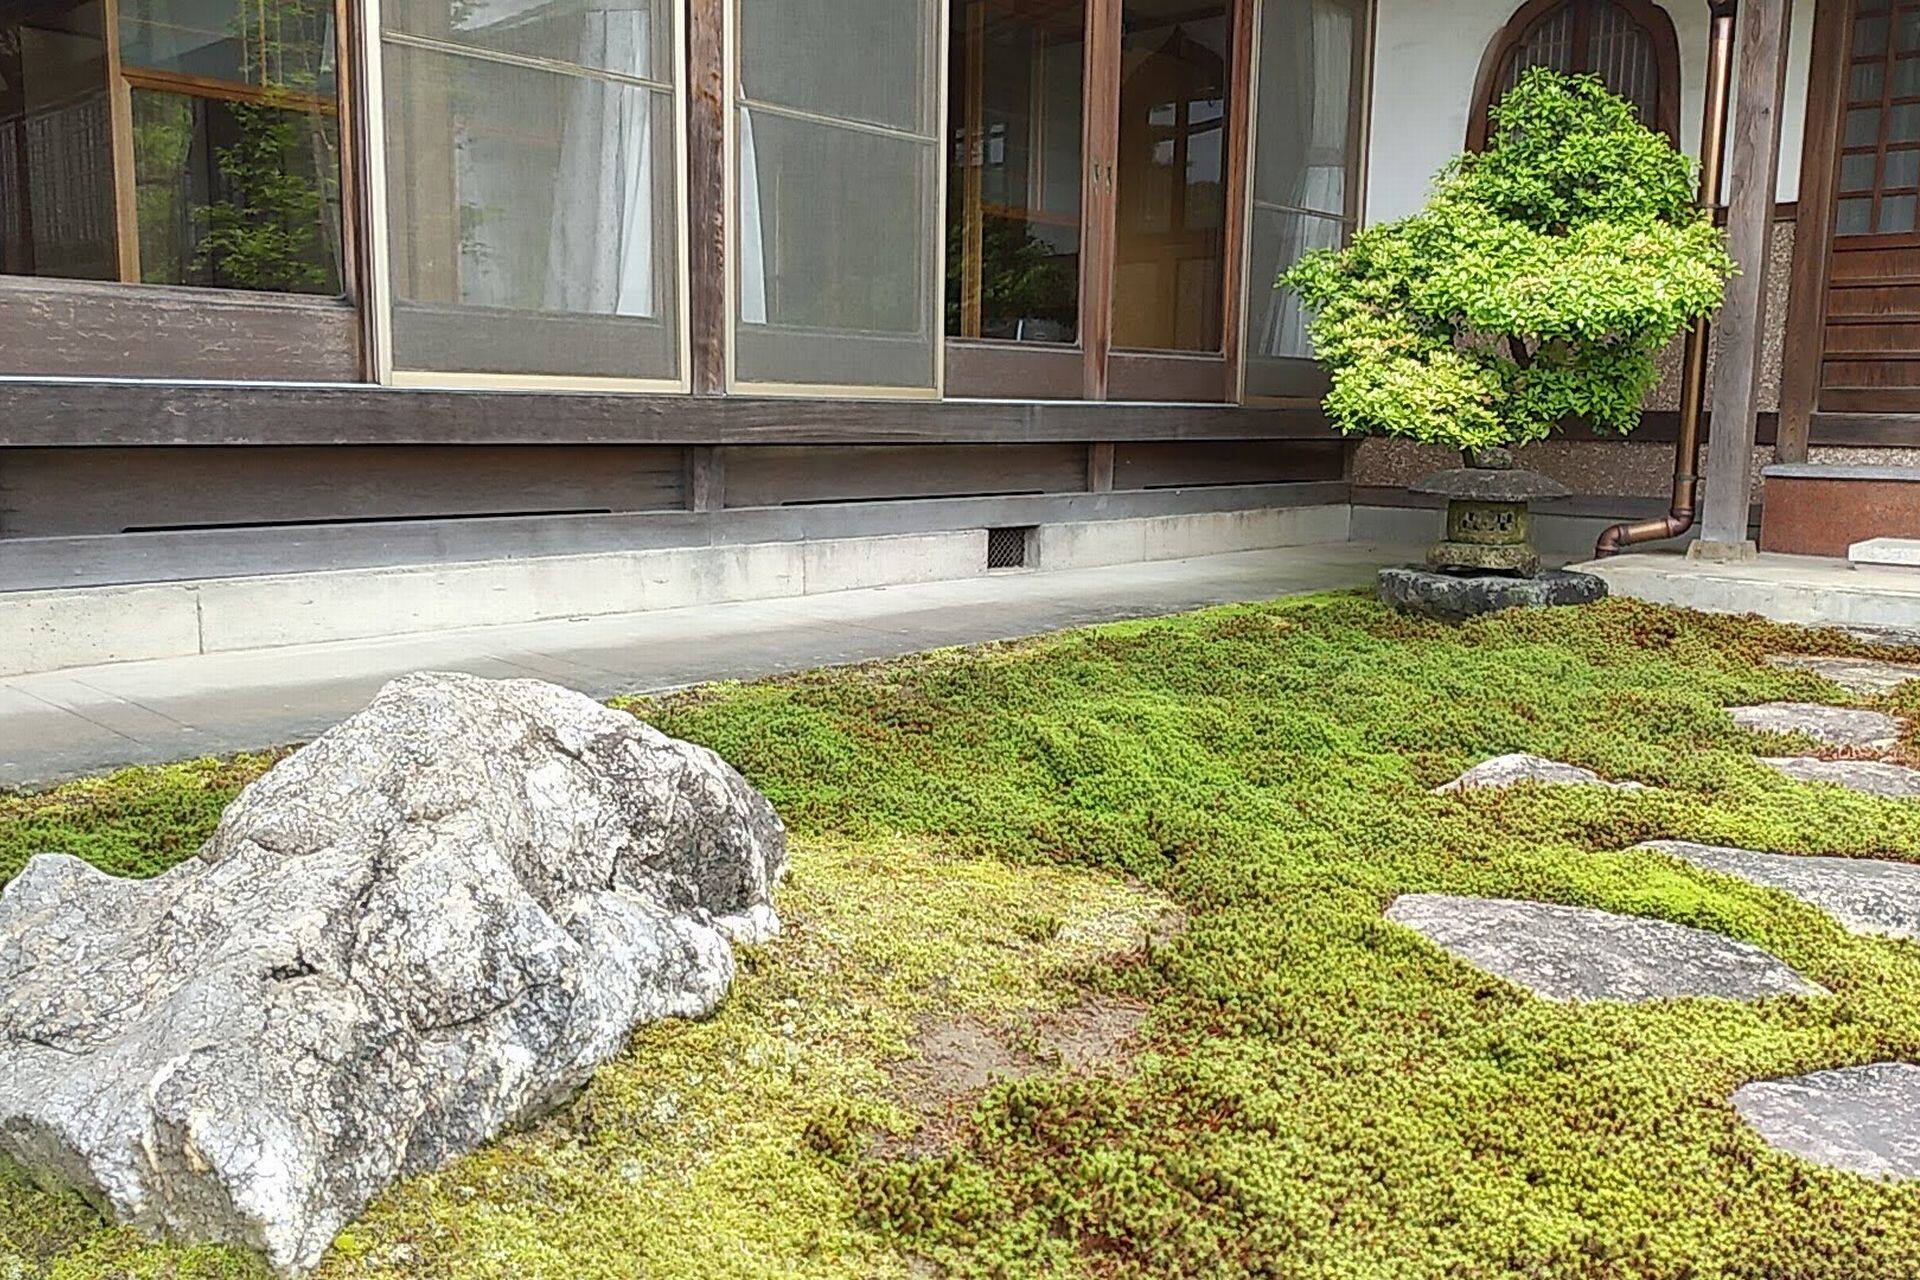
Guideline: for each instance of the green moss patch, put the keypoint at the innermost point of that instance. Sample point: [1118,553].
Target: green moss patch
[1311,1091]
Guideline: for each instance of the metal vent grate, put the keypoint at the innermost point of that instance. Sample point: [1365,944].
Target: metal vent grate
[1007,548]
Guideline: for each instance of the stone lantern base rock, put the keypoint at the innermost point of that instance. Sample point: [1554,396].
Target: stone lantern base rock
[1454,597]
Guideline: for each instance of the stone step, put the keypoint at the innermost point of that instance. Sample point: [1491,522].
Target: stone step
[1577,954]
[1835,726]
[1521,767]
[1891,553]
[1869,777]
[1866,895]
[1856,675]
[1864,1120]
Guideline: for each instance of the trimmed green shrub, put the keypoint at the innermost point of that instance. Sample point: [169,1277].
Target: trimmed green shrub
[1538,285]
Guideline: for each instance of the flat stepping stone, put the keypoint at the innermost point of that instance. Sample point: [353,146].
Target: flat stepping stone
[1867,896]
[1869,777]
[1512,770]
[1579,954]
[1835,726]
[1864,1120]
[1856,675]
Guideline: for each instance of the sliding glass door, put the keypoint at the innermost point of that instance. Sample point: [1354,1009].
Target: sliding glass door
[1091,196]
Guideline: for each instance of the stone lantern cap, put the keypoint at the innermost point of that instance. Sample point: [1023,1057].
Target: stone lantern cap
[1486,484]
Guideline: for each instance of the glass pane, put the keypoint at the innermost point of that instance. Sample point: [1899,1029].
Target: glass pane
[1903,170]
[1856,172]
[625,37]
[1869,36]
[56,153]
[867,60]
[533,220]
[1854,217]
[289,44]
[836,245]
[1896,213]
[1907,34]
[1906,78]
[1171,215]
[236,195]
[1867,82]
[1863,127]
[1276,318]
[1303,122]
[1904,125]
[1013,181]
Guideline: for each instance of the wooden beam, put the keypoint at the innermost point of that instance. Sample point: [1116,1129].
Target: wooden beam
[78,414]
[1813,234]
[1755,168]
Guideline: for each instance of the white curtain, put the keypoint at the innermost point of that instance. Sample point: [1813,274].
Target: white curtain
[601,260]
[571,229]
[1321,182]
[753,252]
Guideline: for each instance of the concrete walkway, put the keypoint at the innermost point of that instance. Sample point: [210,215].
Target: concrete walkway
[89,719]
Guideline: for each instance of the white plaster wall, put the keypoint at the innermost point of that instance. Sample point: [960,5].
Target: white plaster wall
[1427,56]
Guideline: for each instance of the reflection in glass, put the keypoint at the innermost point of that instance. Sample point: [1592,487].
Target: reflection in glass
[1170,249]
[532,210]
[1305,153]
[56,157]
[287,43]
[1013,182]
[236,195]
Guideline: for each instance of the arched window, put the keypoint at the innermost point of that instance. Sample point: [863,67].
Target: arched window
[1630,44]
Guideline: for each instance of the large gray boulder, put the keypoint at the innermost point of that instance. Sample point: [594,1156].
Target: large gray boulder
[434,922]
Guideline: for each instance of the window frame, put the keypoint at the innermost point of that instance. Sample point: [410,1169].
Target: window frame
[378,311]
[140,320]
[1306,377]
[1651,18]
[733,103]
[1094,368]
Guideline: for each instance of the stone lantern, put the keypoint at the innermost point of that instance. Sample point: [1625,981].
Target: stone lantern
[1487,560]
[1489,528]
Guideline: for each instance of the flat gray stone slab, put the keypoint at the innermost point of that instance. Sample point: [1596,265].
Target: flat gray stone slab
[1865,895]
[1870,777]
[1579,954]
[1835,726]
[1864,1120]
[1857,675]
[1512,770]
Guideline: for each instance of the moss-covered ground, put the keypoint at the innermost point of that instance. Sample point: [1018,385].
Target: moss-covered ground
[1317,1093]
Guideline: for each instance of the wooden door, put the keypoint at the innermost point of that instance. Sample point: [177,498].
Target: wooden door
[1871,357]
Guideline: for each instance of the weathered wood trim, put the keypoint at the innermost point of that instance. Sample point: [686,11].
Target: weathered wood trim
[48,413]
[1755,164]
[94,328]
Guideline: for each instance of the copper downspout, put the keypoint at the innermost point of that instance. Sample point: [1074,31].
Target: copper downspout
[1693,378]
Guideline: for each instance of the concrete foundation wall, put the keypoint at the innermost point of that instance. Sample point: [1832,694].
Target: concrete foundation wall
[48,630]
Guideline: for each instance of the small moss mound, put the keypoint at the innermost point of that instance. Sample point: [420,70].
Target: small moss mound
[986,834]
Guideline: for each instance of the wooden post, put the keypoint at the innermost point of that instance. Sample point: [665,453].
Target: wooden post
[1100,467]
[706,478]
[1813,232]
[1755,168]
[708,119]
